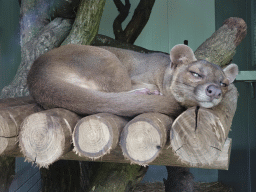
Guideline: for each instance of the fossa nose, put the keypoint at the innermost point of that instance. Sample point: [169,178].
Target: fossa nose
[213,91]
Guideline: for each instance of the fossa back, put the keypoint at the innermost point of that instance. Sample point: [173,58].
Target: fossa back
[89,79]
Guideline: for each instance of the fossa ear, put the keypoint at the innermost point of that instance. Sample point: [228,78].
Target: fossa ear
[231,71]
[181,54]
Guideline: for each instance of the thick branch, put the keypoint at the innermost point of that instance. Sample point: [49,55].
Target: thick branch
[102,40]
[49,37]
[139,20]
[87,22]
[220,47]
[137,23]
[123,13]
[36,14]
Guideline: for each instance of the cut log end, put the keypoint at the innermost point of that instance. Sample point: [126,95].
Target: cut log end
[10,119]
[40,138]
[144,137]
[238,24]
[197,136]
[95,135]
[142,142]
[46,136]
[91,138]
[4,132]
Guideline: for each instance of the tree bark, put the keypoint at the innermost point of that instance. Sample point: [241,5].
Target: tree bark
[221,46]
[86,24]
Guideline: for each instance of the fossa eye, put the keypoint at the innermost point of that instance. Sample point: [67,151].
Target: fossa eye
[195,74]
[223,84]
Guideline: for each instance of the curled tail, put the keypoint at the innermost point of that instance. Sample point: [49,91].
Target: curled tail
[84,101]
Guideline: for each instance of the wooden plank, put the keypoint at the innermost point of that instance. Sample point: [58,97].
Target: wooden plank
[37,186]
[29,184]
[22,177]
[167,158]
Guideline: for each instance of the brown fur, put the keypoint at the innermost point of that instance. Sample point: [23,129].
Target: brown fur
[89,79]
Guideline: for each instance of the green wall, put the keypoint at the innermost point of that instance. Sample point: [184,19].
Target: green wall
[9,41]
[171,22]
[242,169]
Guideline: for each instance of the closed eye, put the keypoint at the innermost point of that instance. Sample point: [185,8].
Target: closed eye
[195,74]
[223,84]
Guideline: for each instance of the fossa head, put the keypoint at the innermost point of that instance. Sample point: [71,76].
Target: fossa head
[198,82]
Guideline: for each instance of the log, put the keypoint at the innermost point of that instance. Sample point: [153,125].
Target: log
[144,137]
[197,137]
[151,122]
[87,22]
[166,158]
[12,113]
[17,101]
[47,135]
[221,46]
[96,135]
[198,134]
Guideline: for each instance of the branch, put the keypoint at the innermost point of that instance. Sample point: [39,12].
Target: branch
[137,23]
[49,37]
[87,22]
[102,40]
[123,13]
[44,26]
[221,46]
[139,20]
[35,14]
